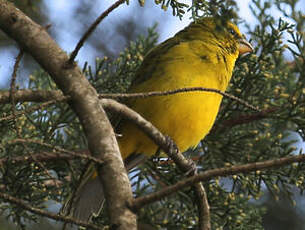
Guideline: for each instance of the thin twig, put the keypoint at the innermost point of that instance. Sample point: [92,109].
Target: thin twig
[91,29]
[13,88]
[69,152]
[41,156]
[23,204]
[14,76]
[209,174]
[245,119]
[31,109]
[181,90]
[40,96]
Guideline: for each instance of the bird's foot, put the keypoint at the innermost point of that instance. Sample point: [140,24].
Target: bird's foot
[171,146]
[192,168]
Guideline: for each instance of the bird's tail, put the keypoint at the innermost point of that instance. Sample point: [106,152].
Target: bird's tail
[88,199]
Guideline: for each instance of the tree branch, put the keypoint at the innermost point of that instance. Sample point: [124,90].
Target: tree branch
[13,80]
[41,156]
[244,119]
[27,110]
[84,101]
[26,95]
[65,151]
[176,91]
[91,29]
[23,204]
[209,174]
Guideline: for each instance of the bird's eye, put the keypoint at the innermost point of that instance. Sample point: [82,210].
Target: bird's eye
[231,31]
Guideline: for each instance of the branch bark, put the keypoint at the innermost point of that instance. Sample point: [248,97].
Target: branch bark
[34,39]
[26,95]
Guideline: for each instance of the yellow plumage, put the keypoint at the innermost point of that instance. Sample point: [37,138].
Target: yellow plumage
[181,62]
[201,55]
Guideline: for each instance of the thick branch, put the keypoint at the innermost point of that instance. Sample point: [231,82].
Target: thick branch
[33,39]
[203,207]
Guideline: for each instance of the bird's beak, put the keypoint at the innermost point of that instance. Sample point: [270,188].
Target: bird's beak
[244,46]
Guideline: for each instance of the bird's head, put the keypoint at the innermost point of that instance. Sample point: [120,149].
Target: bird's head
[243,45]
[225,35]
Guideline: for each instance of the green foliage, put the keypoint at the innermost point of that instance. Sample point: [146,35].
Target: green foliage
[226,9]
[271,78]
[115,76]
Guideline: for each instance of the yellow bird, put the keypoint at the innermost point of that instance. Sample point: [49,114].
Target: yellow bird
[201,55]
